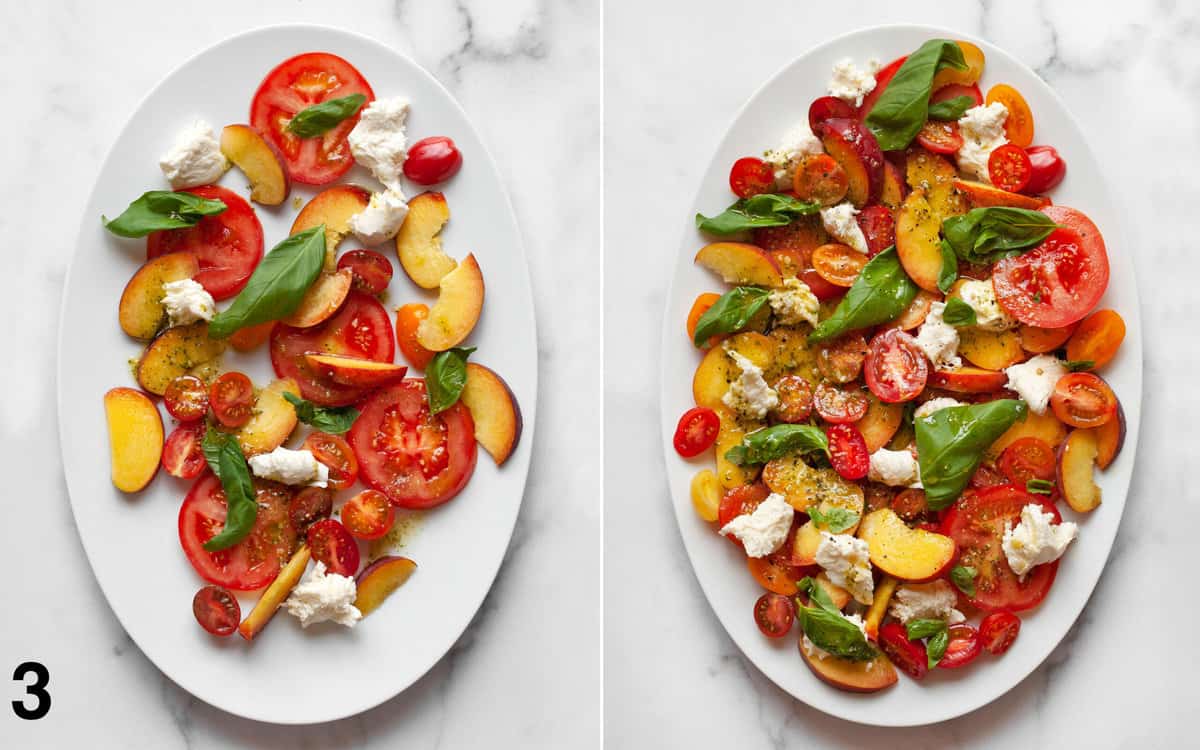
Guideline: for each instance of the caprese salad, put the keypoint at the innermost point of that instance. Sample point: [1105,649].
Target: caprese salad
[902,385]
[375,439]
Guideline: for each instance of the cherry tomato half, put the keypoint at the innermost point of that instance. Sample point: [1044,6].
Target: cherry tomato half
[1009,168]
[962,648]
[232,399]
[432,160]
[696,432]
[310,505]
[896,369]
[1081,399]
[841,360]
[775,573]
[1018,126]
[216,610]
[774,614]
[369,515]
[750,176]
[838,264]
[181,455]
[998,631]
[334,452]
[1048,168]
[820,179]
[332,544]
[910,504]
[828,108]
[848,451]
[740,500]
[1097,338]
[186,398]
[940,137]
[878,226]
[372,272]
[908,656]
[1028,458]
[795,399]
[840,405]
[408,319]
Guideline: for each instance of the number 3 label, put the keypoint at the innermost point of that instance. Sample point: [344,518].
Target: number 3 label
[36,690]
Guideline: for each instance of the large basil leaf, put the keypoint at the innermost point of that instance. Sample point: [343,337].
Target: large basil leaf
[986,235]
[446,378]
[766,210]
[162,209]
[319,119]
[951,109]
[828,629]
[951,443]
[241,508]
[781,440]
[880,293]
[332,419]
[277,285]
[731,313]
[903,107]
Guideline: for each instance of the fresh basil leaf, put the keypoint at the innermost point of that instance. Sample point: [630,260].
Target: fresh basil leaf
[829,630]
[949,273]
[277,285]
[923,628]
[1039,486]
[1079,365]
[880,293]
[951,109]
[935,647]
[162,209]
[986,235]
[332,419]
[241,507]
[765,210]
[836,520]
[903,107]
[781,440]
[319,119]
[951,443]
[446,377]
[958,313]
[816,594]
[963,577]
[211,445]
[731,313]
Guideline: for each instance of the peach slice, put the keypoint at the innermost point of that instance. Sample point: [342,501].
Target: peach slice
[934,174]
[854,676]
[838,595]
[804,486]
[141,312]
[173,353]
[991,350]
[275,594]
[968,380]
[322,299]
[1076,460]
[908,554]
[495,411]
[251,337]
[879,604]
[1042,340]
[332,207]
[379,579]
[717,370]
[259,161]
[419,242]
[981,194]
[894,189]
[880,422]
[354,371]
[919,242]
[740,263]
[457,309]
[730,433]
[135,438]
[853,146]
[273,421]
[1110,437]
[1042,426]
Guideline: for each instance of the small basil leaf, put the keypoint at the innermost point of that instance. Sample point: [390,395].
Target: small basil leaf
[446,377]
[731,313]
[935,647]
[241,507]
[949,273]
[277,285]
[778,441]
[963,577]
[765,210]
[951,443]
[816,594]
[1079,365]
[958,313]
[835,520]
[211,445]
[1039,486]
[880,293]
[319,119]
[162,209]
[951,109]
[923,628]
[332,419]
[986,235]
[903,107]
[828,629]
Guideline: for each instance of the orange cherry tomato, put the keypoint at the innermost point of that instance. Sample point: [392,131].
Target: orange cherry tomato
[838,264]
[841,360]
[795,399]
[1097,338]
[1028,458]
[699,307]
[776,578]
[334,452]
[1082,399]
[1041,340]
[973,57]
[408,319]
[820,179]
[250,338]
[914,315]
[1019,125]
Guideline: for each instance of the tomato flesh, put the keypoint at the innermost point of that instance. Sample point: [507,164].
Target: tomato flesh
[998,631]
[774,615]
[232,399]
[1009,168]
[332,544]
[838,264]
[955,90]
[841,360]
[739,500]
[432,160]
[828,108]
[696,432]
[848,451]
[372,272]
[216,610]
[186,398]
[369,515]
[310,505]
[940,137]
[334,452]
[182,456]
[896,369]
[878,227]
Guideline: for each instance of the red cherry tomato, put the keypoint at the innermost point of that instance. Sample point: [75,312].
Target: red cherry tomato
[962,648]
[332,544]
[216,610]
[1081,399]
[839,405]
[910,504]
[232,399]
[372,272]
[879,227]
[181,454]
[955,90]
[828,108]
[310,505]
[1009,168]
[334,452]
[697,430]
[896,369]
[908,656]
[848,451]
[1028,458]
[998,631]
[774,614]
[1048,169]
[750,176]
[940,137]
[432,160]
[186,398]
[369,515]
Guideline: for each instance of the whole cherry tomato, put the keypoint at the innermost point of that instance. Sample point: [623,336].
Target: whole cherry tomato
[1047,168]
[432,160]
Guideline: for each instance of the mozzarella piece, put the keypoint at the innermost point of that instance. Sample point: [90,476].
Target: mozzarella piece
[796,144]
[764,530]
[894,468]
[925,601]
[290,467]
[749,395]
[194,159]
[851,83]
[381,219]
[1035,379]
[839,221]
[794,303]
[982,129]
[980,296]
[938,339]
[1036,540]
[186,301]
[379,141]
[935,405]
[323,597]
[847,562]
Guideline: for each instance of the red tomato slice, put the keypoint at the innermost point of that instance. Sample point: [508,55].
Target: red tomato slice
[962,648]
[251,563]
[332,544]
[186,398]
[216,610]
[181,455]
[774,614]
[908,656]
[295,84]
[372,272]
[432,160]
[977,523]
[361,328]
[1059,282]
[896,369]
[1009,168]
[839,405]
[848,451]
[998,631]
[740,500]
[940,137]
[696,432]
[417,459]
[227,246]
[1028,458]
[369,515]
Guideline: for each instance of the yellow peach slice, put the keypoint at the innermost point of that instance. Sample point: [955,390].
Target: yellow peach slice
[457,309]
[259,161]
[419,244]
[494,410]
[141,312]
[322,299]
[135,438]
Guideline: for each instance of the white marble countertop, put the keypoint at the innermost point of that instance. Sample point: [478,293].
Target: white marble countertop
[528,669]
[675,75]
